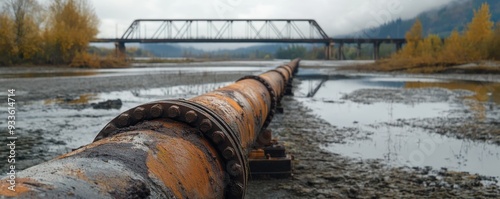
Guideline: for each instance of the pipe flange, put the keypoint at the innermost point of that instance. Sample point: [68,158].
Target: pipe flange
[288,69]
[274,99]
[284,80]
[209,124]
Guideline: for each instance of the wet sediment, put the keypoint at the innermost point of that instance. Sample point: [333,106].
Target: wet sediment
[321,174]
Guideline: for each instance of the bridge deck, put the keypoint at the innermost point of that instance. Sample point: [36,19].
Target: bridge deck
[208,40]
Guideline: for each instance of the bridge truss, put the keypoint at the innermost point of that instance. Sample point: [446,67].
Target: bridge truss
[237,30]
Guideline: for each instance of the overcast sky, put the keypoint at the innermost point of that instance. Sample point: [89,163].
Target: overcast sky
[336,17]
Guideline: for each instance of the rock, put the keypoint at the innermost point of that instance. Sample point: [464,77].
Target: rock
[108,104]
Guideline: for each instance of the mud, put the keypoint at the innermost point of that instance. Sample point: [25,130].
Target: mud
[321,174]
[480,123]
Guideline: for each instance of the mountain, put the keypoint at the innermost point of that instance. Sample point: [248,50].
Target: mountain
[174,50]
[170,50]
[441,21]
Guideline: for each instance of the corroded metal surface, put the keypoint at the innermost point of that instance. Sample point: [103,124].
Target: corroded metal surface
[196,148]
[157,159]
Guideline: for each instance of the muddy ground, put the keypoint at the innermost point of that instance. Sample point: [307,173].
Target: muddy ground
[317,173]
[321,174]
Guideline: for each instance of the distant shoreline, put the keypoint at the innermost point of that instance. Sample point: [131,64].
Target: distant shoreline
[482,67]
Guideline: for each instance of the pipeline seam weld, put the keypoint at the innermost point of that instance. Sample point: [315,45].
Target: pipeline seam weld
[288,69]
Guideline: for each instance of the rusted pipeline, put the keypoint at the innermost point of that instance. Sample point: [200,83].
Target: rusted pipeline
[157,159]
[196,148]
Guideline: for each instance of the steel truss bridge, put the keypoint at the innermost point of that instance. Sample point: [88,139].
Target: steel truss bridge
[238,31]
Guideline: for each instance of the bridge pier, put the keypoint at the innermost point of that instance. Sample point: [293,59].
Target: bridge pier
[120,49]
[376,50]
[340,52]
[358,50]
[328,50]
[399,46]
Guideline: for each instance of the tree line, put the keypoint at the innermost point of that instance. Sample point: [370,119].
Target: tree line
[58,33]
[479,41]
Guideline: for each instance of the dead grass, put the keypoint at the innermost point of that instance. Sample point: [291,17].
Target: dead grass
[160,60]
[85,60]
[423,67]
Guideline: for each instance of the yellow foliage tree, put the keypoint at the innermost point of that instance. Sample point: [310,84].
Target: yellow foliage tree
[477,43]
[454,49]
[72,24]
[6,40]
[26,18]
[413,38]
[429,48]
[478,33]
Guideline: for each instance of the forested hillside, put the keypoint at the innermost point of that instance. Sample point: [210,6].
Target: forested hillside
[441,21]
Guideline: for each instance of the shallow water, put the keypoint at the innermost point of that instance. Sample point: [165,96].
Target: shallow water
[130,71]
[400,145]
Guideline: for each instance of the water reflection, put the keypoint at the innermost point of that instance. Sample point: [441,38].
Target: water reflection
[399,144]
[140,96]
[483,92]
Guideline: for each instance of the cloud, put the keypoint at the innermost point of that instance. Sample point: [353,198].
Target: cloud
[335,16]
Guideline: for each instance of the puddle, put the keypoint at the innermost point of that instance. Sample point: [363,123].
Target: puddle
[403,145]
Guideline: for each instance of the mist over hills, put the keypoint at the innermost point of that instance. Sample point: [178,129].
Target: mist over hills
[441,21]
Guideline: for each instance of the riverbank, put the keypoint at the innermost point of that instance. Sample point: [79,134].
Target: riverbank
[401,65]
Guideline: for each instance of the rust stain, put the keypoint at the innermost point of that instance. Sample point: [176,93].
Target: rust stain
[79,174]
[183,168]
[22,186]
[275,80]
[257,154]
[242,103]
[91,145]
